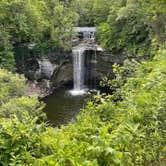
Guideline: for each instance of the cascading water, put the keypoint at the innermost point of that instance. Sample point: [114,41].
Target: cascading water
[78,59]
[78,71]
[88,34]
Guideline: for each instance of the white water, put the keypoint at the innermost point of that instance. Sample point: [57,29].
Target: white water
[78,60]
[88,32]
[78,72]
[46,68]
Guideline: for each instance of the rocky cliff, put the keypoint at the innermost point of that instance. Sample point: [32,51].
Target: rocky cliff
[57,69]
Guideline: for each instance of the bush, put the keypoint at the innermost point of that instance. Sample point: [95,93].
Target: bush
[6,55]
[11,86]
[21,126]
[130,131]
[126,132]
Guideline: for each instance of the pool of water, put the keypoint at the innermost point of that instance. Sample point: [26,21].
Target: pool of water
[61,107]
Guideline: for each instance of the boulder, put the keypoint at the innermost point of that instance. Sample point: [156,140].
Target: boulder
[62,75]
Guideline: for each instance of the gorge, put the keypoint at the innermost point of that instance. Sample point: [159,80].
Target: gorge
[64,103]
[61,79]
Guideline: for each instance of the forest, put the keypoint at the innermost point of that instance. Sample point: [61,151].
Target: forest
[126,126]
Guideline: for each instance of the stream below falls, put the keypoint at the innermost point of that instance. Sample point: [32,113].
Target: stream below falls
[64,104]
[61,107]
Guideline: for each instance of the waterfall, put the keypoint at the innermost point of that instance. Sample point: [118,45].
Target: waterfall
[78,71]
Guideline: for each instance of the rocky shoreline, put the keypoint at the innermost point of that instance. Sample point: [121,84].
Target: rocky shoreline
[38,89]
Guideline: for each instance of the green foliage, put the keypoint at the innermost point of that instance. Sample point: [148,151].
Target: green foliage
[62,26]
[10,86]
[23,19]
[126,127]
[130,131]
[6,55]
[20,131]
[91,12]
[21,142]
[46,24]
[30,108]
[133,27]
[122,73]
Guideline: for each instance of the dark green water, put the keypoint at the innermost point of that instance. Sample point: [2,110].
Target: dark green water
[61,107]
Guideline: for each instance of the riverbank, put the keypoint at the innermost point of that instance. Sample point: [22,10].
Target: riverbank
[38,89]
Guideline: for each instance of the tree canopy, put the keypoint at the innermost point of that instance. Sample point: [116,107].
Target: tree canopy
[124,26]
[134,27]
[44,22]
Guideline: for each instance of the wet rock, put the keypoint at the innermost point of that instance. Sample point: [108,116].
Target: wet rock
[62,75]
[46,68]
[96,67]
[57,67]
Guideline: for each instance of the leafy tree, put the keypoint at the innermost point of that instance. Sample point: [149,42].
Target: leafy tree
[91,12]
[6,54]
[62,26]
[47,24]
[24,19]
[132,27]
[11,86]
[101,10]
[84,9]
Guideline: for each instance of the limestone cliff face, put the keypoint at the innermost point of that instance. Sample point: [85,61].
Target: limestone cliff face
[57,68]
[97,65]
[38,67]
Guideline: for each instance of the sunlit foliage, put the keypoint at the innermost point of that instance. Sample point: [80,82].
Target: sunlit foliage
[134,27]
[129,131]
[46,24]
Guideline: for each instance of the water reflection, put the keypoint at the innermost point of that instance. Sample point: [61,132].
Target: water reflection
[61,107]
